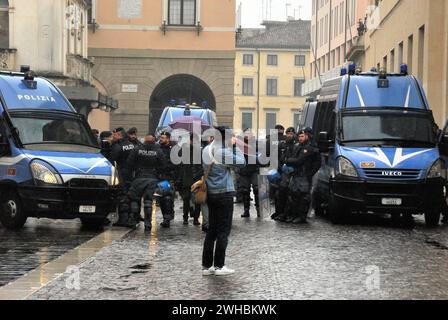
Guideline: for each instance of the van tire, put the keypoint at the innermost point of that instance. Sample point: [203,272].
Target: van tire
[336,212]
[432,218]
[12,214]
[93,224]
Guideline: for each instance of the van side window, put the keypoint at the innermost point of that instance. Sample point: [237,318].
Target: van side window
[325,119]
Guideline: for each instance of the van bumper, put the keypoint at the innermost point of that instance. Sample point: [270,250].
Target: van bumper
[367,196]
[63,202]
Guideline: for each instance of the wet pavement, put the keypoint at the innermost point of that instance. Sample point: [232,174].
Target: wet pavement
[40,242]
[369,258]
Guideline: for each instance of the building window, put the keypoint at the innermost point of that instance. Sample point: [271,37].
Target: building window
[272,60]
[296,122]
[300,61]
[4,24]
[271,89]
[271,121]
[182,12]
[246,120]
[248,85]
[298,83]
[248,59]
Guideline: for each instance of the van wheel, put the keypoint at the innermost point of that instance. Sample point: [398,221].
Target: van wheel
[432,218]
[12,215]
[336,212]
[93,224]
[317,205]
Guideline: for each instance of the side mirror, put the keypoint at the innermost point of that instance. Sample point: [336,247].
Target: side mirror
[323,143]
[4,146]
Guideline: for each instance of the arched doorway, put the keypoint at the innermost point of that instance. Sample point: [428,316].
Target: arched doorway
[182,87]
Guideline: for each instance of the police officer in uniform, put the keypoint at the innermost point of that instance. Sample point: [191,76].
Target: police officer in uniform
[306,162]
[248,176]
[146,161]
[121,149]
[282,190]
[166,201]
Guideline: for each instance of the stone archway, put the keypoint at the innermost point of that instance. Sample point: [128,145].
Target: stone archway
[182,87]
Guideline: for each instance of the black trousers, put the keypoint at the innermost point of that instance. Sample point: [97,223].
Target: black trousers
[220,224]
[190,209]
[142,188]
[166,204]
[246,184]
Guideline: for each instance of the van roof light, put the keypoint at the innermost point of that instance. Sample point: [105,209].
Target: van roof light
[24,69]
[358,71]
[404,69]
[343,71]
[374,69]
[383,73]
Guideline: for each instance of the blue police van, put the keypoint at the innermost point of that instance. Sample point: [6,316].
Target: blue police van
[379,144]
[50,164]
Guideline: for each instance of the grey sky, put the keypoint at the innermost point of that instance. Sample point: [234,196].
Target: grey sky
[253,15]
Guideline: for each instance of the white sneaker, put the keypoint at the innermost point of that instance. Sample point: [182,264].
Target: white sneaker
[208,272]
[224,271]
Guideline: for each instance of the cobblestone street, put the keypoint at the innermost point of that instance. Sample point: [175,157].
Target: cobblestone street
[272,261]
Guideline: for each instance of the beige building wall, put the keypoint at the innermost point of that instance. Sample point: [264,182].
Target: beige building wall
[135,52]
[414,32]
[329,35]
[285,105]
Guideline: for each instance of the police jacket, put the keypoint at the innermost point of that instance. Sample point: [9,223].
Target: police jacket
[146,161]
[252,164]
[305,160]
[287,151]
[271,144]
[169,169]
[121,151]
[189,173]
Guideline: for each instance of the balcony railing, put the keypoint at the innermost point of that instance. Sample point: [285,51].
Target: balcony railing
[311,87]
[79,68]
[8,59]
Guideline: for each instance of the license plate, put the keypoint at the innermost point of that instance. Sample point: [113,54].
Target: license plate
[392,202]
[87,209]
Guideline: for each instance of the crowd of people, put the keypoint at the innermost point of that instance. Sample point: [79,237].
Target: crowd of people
[147,173]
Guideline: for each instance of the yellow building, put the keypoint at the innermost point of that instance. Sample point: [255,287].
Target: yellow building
[414,32]
[271,66]
[148,52]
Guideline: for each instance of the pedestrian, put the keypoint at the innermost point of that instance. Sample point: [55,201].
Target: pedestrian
[282,189]
[248,175]
[306,162]
[166,200]
[145,161]
[189,173]
[219,157]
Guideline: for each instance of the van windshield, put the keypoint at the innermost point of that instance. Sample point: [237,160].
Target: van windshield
[389,129]
[49,131]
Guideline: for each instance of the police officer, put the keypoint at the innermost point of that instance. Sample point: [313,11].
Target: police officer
[306,162]
[166,201]
[282,190]
[121,149]
[275,142]
[248,176]
[106,138]
[146,161]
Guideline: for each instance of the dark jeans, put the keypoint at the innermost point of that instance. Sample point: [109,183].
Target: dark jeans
[220,224]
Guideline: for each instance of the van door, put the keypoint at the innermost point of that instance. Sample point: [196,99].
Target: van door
[325,121]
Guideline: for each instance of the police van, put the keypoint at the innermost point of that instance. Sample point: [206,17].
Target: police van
[175,112]
[308,112]
[379,145]
[50,165]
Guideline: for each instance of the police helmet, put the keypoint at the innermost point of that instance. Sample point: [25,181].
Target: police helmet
[164,188]
[291,129]
[306,130]
[287,169]
[274,176]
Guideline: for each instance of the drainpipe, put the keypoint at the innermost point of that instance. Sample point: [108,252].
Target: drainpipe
[258,90]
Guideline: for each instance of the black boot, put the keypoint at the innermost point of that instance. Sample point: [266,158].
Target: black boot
[165,224]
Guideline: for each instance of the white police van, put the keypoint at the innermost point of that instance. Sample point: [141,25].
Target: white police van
[50,165]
